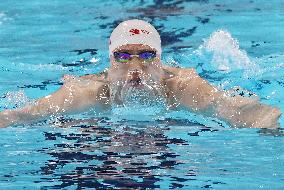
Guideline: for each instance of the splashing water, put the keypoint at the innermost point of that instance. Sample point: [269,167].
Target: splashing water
[14,100]
[133,96]
[140,104]
[223,53]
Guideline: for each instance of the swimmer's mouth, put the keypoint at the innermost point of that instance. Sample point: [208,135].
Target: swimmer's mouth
[136,82]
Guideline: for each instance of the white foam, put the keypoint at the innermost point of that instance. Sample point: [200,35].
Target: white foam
[226,53]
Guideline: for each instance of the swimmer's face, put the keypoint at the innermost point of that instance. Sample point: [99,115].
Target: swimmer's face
[135,72]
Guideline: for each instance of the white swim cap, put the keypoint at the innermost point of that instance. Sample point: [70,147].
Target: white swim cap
[135,32]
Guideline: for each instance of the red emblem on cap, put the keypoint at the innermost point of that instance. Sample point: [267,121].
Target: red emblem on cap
[134,31]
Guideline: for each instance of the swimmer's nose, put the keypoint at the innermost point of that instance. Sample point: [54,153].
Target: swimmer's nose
[135,76]
[134,73]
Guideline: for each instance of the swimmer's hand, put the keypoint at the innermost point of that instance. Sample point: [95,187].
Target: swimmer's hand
[241,112]
[254,115]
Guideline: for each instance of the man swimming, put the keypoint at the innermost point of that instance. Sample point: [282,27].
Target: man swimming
[136,70]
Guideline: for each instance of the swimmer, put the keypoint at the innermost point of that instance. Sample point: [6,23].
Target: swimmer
[136,68]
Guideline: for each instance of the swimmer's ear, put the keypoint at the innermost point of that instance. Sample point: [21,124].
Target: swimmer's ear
[169,74]
[100,77]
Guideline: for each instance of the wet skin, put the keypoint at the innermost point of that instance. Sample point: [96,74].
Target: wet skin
[180,87]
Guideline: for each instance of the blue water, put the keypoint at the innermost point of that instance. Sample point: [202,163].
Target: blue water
[233,43]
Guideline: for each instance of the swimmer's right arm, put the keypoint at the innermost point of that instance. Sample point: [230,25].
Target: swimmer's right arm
[71,97]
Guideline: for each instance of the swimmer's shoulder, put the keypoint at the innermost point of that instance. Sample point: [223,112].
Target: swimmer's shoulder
[85,81]
[88,85]
[171,72]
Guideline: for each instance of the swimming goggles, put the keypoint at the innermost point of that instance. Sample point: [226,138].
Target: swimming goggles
[124,57]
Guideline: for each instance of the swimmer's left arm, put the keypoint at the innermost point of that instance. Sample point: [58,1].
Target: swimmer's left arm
[199,96]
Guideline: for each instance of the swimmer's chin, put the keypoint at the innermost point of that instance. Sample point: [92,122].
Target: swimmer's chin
[139,91]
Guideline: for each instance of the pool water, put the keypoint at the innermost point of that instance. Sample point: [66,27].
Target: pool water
[231,44]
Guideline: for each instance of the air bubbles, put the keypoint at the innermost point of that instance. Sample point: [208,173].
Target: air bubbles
[145,96]
[140,103]
[13,100]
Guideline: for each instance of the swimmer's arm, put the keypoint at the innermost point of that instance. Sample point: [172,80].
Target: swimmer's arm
[71,97]
[199,96]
